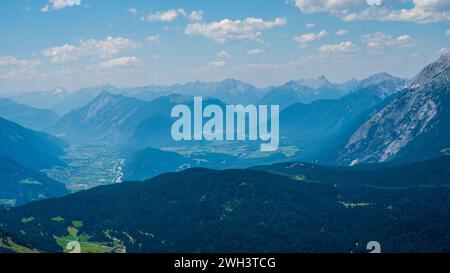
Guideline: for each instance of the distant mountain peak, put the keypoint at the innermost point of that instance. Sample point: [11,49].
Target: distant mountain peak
[315,83]
[384,81]
[380,77]
[232,81]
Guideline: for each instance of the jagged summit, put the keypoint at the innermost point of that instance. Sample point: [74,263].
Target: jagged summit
[437,72]
[315,83]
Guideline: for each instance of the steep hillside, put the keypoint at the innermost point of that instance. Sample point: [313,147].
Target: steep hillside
[33,118]
[321,127]
[19,185]
[32,149]
[414,126]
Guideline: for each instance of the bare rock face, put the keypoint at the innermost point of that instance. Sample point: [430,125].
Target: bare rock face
[414,125]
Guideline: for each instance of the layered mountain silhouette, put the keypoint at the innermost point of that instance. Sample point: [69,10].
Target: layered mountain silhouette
[394,134]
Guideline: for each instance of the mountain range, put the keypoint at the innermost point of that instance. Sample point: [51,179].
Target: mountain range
[383,174]
[230,91]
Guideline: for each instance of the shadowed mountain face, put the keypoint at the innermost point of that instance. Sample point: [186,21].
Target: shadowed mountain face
[150,162]
[33,118]
[19,185]
[31,149]
[292,208]
[111,117]
[414,126]
[325,125]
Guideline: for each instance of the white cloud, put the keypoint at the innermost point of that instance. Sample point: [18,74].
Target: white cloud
[443,50]
[447,33]
[381,40]
[60,4]
[223,54]
[433,5]
[310,25]
[304,39]
[122,62]
[196,15]
[163,16]
[343,47]
[421,11]
[153,39]
[217,64]
[255,51]
[101,48]
[341,32]
[172,14]
[13,61]
[239,30]
[45,9]
[333,6]
[133,11]
[374,2]
[11,67]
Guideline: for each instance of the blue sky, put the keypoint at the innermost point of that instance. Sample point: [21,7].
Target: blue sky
[78,43]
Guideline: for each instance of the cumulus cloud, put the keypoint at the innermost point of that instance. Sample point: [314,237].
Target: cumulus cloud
[341,32]
[133,11]
[101,48]
[255,51]
[217,64]
[334,6]
[227,30]
[172,14]
[381,40]
[153,39]
[11,66]
[343,47]
[374,2]
[443,50]
[196,15]
[310,25]
[447,33]
[303,40]
[223,54]
[60,4]
[421,11]
[122,62]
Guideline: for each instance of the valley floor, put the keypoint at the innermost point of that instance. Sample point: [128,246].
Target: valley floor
[89,166]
